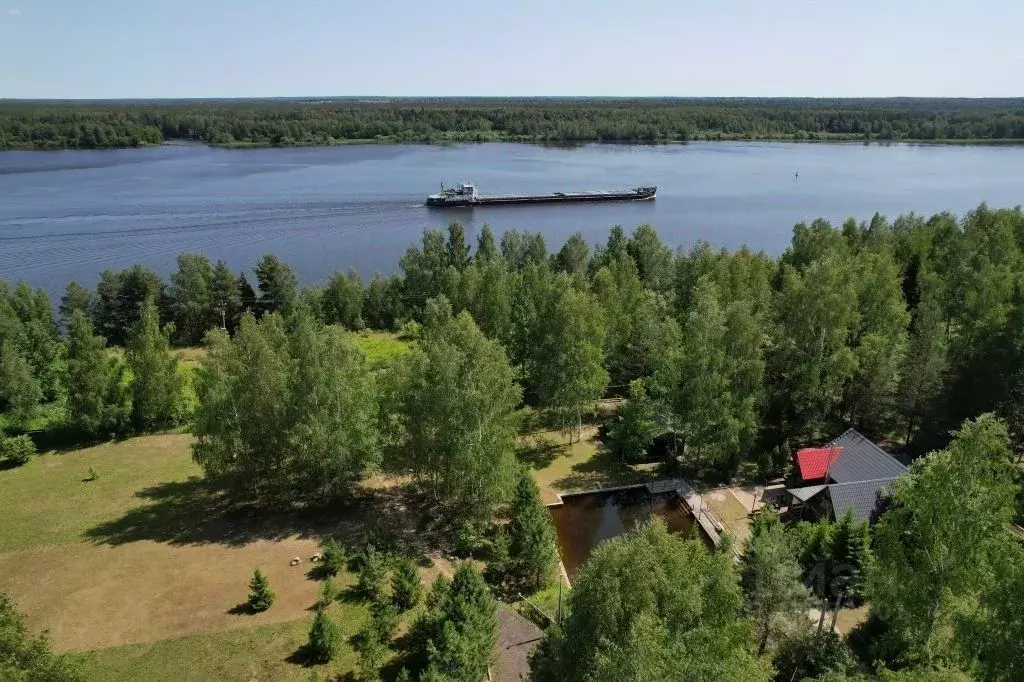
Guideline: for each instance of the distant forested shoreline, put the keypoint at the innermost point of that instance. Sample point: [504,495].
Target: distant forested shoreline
[107,124]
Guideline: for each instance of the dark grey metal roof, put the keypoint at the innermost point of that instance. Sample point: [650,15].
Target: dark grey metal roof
[804,494]
[861,496]
[862,460]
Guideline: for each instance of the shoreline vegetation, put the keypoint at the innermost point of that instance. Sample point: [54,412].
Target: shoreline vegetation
[254,123]
[396,426]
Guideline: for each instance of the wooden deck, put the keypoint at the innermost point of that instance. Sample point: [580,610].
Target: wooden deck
[705,516]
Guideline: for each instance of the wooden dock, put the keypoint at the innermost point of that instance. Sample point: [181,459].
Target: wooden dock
[708,519]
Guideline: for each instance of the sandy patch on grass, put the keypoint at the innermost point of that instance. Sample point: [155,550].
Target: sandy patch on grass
[91,596]
[731,510]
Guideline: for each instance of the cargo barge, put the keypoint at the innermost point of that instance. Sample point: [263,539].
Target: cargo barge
[466,195]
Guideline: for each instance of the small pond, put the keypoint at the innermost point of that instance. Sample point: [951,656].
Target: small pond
[586,520]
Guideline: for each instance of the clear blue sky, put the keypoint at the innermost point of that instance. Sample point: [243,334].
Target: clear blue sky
[234,48]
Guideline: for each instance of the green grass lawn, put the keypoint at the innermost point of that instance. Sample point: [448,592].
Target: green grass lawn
[269,652]
[559,466]
[379,347]
[48,501]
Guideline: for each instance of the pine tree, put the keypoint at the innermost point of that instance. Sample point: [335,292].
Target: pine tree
[457,634]
[372,640]
[816,558]
[925,365]
[261,597]
[405,585]
[76,297]
[328,593]
[499,559]
[333,557]
[850,556]
[16,450]
[372,574]
[324,638]
[247,295]
[531,535]
[279,287]
[775,598]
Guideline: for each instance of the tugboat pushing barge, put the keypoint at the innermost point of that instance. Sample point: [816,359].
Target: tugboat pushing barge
[466,195]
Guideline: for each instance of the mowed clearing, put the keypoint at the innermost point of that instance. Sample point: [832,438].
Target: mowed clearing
[49,501]
[559,466]
[147,554]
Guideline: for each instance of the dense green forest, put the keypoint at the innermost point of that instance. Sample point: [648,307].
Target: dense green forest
[107,124]
[900,328]
[910,330]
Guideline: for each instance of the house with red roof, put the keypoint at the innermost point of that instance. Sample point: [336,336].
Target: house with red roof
[848,474]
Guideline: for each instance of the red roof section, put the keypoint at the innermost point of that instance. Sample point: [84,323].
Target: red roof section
[814,463]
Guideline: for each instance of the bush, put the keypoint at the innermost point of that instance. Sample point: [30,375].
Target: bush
[405,585]
[261,597]
[17,449]
[324,638]
[469,536]
[334,559]
[812,655]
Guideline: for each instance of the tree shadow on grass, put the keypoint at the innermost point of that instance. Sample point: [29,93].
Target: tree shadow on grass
[242,609]
[196,512]
[540,453]
[601,471]
[301,656]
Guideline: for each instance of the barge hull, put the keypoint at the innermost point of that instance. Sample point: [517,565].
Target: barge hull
[468,197]
[558,198]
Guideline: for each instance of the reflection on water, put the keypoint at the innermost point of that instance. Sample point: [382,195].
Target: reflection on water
[586,520]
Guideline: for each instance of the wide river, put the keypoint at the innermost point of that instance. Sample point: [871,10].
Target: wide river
[68,215]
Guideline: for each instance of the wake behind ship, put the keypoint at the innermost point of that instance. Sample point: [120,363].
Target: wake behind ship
[466,195]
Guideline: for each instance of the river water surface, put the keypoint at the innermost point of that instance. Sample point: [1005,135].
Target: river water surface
[67,215]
